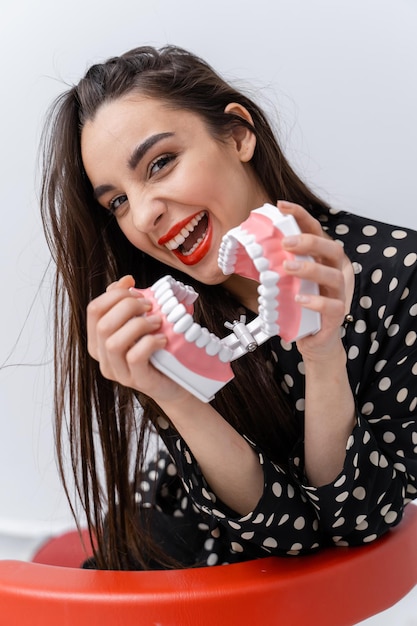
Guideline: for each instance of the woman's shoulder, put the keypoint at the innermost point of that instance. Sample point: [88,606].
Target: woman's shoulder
[370,242]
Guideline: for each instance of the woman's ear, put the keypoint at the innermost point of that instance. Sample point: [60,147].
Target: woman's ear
[244,138]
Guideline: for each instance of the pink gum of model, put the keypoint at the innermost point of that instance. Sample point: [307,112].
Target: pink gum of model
[197,359]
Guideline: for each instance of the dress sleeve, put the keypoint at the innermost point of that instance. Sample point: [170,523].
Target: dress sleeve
[284,521]
[379,476]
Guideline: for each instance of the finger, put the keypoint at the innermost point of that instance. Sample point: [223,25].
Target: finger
[330,279]
[332,310]
[306,222]
[122,311]
[142,351]
[108,312]
[113,351]
[125,282]
[321,248]
[130,333]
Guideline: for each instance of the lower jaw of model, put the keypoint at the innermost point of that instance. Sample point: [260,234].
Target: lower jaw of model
[199,360]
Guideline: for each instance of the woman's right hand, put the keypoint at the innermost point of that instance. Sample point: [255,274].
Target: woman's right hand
[122,339]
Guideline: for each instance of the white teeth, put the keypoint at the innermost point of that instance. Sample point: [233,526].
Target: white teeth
[254,250]
[270,315]
[271,329]
[225,354]
[204,338]
[261,264]
[176,313]
[169,305]
[268,292]
[269,278]
[246,238]
[165,296]
[193,332]
[179,239]
[195,246]
[185,293]
[183,324]
[228,259]
[165,280]
[214,345]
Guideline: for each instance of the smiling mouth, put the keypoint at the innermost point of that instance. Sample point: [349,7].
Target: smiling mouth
[192,242]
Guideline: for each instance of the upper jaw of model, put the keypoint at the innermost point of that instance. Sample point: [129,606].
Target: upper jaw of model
[199,360]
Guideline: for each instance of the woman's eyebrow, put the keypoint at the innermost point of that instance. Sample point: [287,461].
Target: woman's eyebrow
[140,150]
[134,159]
[101,190]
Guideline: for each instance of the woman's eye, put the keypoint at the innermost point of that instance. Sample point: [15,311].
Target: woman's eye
[116,203]
[160,163]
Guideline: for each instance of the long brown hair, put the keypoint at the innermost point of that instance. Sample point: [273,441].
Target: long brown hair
[106,424]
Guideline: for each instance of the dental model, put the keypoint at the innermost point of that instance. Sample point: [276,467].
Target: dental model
[199,360]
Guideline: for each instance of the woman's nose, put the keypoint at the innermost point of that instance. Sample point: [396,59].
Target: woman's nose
[146,213]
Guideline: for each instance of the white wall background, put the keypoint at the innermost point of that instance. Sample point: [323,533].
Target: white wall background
[342,74]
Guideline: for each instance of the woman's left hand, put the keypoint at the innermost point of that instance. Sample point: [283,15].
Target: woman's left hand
[329,415]
[329,269]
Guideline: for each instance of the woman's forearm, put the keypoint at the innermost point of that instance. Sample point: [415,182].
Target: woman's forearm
[329,418]
[229,464]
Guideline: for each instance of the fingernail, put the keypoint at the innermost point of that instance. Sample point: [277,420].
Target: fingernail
[302,298]
[163,339]
[136,292]
[291,241]
[154,320]
[292,265]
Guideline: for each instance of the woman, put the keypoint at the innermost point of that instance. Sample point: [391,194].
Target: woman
[311,443]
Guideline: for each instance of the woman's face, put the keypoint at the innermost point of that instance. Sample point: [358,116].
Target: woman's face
[174,189]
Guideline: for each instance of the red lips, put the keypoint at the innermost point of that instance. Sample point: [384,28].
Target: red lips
[199,253]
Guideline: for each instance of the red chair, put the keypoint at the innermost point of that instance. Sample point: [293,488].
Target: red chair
[336,587]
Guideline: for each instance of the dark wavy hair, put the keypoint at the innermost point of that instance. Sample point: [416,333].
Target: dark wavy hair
[105,424]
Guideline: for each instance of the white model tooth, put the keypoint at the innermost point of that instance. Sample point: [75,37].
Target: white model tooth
[270,315]
[185,293]
[246,238]
[176,313]
[169,305]
[162,289]
[270,293]
[269,278]
[254,250]
[270,329]
[193,332]
[203,339]
[227,258]
[225,354]
[165,296]
[165,280]
[261,264]
[191,296]
[225,242]
[183,324]
[213,347]
[226,268]
[262,301]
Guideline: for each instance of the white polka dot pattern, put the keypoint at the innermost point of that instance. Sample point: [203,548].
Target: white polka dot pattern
[380,469]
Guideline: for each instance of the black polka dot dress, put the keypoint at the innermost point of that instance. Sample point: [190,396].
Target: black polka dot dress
[380,469]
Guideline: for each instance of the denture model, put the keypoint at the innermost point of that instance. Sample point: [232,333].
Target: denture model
[199,360]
